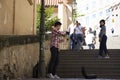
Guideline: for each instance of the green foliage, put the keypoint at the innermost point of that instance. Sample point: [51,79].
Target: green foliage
[76,15]
[48,12]
[48,22]
[38,16]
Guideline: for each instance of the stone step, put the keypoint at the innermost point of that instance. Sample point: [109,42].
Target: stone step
[89,60]
[88,65]
[100,76]
[72,61]
[61,79]
[85,52]
[91,70]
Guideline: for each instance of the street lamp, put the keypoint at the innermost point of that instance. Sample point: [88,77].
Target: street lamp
[74,7]
[41,69]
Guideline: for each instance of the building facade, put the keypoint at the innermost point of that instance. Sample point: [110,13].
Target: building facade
[17,17]
[95,10]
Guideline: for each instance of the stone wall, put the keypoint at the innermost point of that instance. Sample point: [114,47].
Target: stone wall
[19,55]
[21,59]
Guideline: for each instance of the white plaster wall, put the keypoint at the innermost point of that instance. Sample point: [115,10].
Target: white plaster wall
[60,14]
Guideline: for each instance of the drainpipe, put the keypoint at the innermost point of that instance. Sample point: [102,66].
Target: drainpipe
[34,3]
[13,29]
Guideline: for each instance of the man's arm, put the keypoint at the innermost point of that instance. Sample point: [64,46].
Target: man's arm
[59,32]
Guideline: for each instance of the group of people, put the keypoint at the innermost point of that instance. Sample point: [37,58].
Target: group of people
[77,38]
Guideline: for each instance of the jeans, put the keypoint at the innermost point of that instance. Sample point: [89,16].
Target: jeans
[103,47]
[54,60]
[80,40]
[72,41]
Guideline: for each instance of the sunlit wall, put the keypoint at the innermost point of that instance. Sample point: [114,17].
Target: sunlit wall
[94,10]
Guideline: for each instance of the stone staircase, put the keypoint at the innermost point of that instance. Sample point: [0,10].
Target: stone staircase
[71,62]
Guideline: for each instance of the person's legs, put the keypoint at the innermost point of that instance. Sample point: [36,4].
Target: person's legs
[101,48]
[104,46]
[89,45]
[81,41]
[71,41]
[93,46]
[52,60]
[56,62]
[78,38]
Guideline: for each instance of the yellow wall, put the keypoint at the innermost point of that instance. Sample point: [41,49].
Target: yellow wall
[17,17]
[23,17]
[6,17]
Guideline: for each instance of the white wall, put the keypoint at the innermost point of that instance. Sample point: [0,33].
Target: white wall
[65,15]
[95,10]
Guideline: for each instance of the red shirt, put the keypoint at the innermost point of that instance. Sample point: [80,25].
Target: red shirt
[55,38]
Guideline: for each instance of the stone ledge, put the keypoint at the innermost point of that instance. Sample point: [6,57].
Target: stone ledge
[9,40]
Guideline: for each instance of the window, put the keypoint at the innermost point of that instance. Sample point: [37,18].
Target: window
[87,7]
[93,4]
[107,12]
[87,20]
[94,16]
[100,13]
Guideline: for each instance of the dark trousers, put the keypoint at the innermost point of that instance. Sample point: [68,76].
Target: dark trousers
[103,47]
[80,40]
[72,41]
[54,60]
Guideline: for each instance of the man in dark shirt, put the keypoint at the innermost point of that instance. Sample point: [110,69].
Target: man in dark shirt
[103,40]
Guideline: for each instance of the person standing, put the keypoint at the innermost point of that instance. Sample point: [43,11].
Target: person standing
[90,39]
[103,40]
[71,35]
[79,35]
[54,49]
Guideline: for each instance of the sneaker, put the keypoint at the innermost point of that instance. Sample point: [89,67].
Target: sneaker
[56,76]
[50,76]
[107,57]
